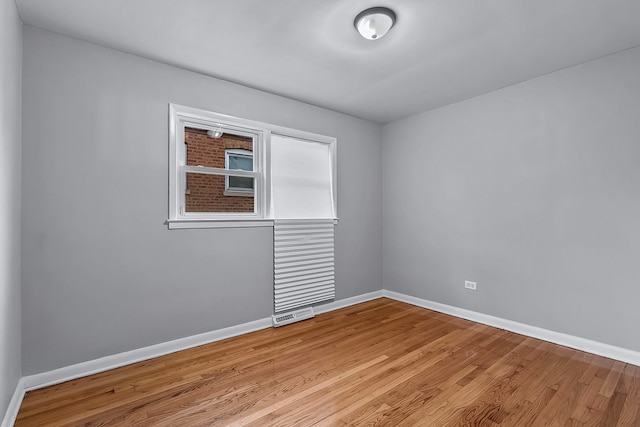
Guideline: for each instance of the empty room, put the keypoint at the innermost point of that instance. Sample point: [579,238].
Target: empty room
[319,213]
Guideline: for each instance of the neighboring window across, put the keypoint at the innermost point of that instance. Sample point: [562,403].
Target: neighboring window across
[239,159]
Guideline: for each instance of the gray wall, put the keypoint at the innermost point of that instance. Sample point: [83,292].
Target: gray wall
[10,98]
[533,192]
[101,272]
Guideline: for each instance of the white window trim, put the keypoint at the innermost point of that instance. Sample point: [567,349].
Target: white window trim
[312,137]
[181,116]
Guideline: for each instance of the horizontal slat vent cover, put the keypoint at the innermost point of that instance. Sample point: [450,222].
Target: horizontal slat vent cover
[303,263]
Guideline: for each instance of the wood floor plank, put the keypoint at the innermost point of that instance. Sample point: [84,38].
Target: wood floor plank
[630,413]
[461,362]
[382,363]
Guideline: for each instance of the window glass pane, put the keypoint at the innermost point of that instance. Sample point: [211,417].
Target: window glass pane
[206,193]
[240,182]
[301,178]
[205,150]
[244,163]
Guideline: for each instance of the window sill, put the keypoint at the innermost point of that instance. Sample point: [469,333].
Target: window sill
[238,193]
[181,224]
[178,224]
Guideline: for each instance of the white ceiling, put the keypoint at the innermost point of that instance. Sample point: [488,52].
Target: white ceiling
[439,52]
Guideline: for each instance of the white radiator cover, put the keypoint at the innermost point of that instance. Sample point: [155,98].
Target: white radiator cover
[303,263]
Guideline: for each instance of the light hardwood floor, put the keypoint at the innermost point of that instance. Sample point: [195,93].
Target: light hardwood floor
[378,363]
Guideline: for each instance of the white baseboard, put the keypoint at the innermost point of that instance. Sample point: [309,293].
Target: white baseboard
[347,302]
[83,369]
[90,367]
[583,344]
[14,405]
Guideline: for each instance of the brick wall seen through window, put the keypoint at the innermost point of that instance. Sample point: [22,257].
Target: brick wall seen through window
[205,193]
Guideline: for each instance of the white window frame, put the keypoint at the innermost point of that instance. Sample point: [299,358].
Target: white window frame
[312,137]
[237,191]
[180,117]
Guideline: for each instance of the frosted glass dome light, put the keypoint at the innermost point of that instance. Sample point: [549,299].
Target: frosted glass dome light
[374,23]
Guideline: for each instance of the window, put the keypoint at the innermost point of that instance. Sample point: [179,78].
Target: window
[301,178]
[227,171]
[238,159]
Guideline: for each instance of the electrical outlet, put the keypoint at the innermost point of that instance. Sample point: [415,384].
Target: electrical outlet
[470,285]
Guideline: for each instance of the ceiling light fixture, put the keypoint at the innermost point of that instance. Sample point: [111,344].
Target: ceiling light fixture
[375,22]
